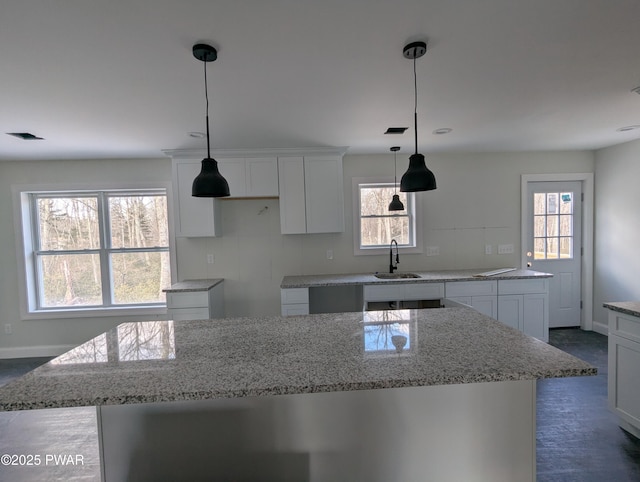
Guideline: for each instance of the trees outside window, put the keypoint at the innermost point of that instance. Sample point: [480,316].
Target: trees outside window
[100,249]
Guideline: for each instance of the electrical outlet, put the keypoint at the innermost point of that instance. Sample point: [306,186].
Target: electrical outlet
[487,249]
[505,248]
[329,253]
[7,329]
[433,251]
[210,259]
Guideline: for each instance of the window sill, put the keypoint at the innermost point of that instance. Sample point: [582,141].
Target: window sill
[99,312]
[385,250]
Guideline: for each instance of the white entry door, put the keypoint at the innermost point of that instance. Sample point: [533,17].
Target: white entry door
[554,245]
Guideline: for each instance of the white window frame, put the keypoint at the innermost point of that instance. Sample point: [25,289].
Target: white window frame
[24,225]
[414,209]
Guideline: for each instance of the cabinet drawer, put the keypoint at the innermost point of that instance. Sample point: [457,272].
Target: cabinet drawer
[522,286]
[182,314]
[624,325]
[188,299]
[471,288]
[294,295]
[423,291]
[386,292]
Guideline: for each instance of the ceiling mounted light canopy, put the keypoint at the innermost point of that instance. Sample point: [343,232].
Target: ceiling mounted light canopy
[209,183]
[418,177]
[395,204]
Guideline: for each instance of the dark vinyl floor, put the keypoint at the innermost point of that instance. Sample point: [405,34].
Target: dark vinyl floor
[578,438]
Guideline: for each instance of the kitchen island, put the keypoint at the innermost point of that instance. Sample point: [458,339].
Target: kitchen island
[440,394]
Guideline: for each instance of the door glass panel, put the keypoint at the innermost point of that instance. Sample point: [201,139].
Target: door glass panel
[566,248]
[552,248]
[539,206]
[566,225]
[538,226]
[539,251]
[553,225]
[552,203]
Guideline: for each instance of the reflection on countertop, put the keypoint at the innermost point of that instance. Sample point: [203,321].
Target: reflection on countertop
[244,357]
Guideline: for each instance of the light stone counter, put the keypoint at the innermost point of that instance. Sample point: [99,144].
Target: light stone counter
[628,307]
[249,357]
[193,285]
[311,281]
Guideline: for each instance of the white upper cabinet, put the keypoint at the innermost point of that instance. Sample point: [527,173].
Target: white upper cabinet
[250,177]
[311,194]
[193,216]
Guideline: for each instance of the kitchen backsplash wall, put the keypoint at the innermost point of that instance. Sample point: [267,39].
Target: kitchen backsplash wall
[477,203]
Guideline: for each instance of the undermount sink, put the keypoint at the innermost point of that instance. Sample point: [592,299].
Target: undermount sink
[396,275]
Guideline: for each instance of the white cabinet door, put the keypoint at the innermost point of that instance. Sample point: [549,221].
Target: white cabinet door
[535,320]
[324,192]
[311,194]
[194,216]
[293,218]
[261,177]
[510,310]
[233,170]
[487,305]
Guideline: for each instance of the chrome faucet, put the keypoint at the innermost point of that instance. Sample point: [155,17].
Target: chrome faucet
[392,268]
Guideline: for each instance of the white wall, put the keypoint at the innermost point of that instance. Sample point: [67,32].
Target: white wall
[477,202]
[45,337]
[617,226]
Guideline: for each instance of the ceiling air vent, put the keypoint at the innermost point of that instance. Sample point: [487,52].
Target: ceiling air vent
[396,130]
[26,136]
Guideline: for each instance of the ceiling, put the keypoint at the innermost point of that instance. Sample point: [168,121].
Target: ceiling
[116,79]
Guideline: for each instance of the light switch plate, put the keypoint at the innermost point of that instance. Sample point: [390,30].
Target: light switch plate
[487,249]
[505,248]
[433,251]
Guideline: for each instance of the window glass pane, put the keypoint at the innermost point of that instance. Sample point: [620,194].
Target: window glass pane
[375,200]
[566,225]
[552,203]
[538,226]
[68,223]
[566,203]
[552,225]
[150,340]
[140,277]
[566,248]
[552,248]
[539,248]
[539,206]
[138,221]
[70,280]
[380,231]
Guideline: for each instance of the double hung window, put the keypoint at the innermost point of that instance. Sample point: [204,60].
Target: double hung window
[96,249]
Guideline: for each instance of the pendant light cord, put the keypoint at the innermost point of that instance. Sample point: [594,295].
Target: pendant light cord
[395,172]
[206,96]
[415,103]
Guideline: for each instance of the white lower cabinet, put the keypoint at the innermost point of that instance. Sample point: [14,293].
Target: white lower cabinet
[487,305]
[524,304]
[196,305]
[624,370]
[480,295]
[294,301]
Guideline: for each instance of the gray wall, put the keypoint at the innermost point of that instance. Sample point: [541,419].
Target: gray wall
[617,226]
[477,202]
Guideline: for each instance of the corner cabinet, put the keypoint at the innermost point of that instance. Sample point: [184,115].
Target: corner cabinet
[193,216]
[624,369]
[311,194]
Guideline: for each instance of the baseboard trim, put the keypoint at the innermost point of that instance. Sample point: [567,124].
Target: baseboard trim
[601,328]
[34,351]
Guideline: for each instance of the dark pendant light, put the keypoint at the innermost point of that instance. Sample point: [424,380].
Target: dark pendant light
[395,204]
[209,183]
[418,177]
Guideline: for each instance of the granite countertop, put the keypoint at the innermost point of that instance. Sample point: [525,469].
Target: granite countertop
[628,307]
[242,357]
[193,285]
[309,281]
